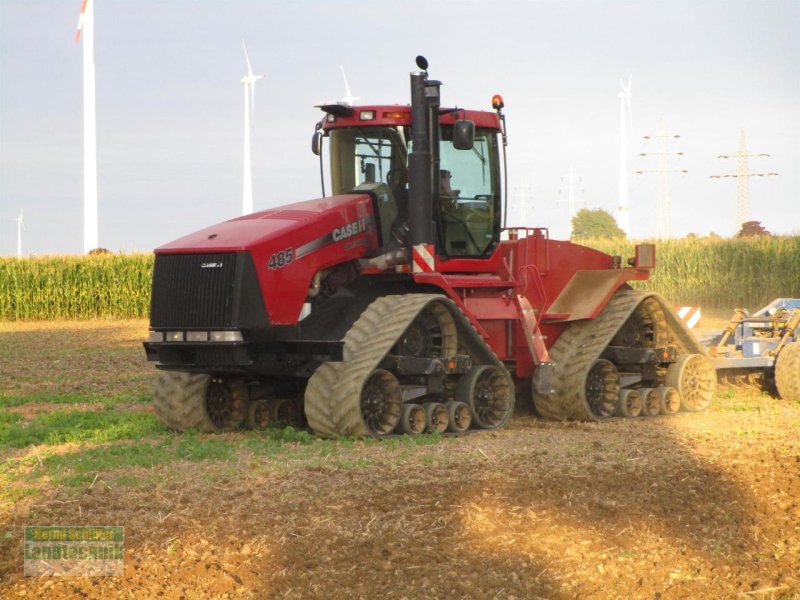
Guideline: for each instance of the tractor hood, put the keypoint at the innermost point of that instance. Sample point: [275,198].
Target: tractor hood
[292,220]
[283,247]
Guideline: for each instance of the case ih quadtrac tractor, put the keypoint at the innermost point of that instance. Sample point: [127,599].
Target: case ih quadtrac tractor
[401,303]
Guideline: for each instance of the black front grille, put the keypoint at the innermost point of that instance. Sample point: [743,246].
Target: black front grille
[193,290]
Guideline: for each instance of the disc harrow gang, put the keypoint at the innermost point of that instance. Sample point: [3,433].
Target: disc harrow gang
[345,398]
[587,387]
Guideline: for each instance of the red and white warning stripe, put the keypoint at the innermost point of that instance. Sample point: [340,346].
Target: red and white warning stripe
[422,258]
[689,315]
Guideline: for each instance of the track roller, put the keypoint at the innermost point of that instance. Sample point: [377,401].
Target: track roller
[489,394]
[381,400]
[651,402]
[258,415]
[412,419]
[629,404]
[602,388]
[459,416]
[695,379]
[285,412]
[669,399]
[436,417]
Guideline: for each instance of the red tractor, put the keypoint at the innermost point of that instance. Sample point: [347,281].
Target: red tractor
[402,303]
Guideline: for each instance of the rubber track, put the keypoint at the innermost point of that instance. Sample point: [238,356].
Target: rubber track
[333,393]
[582,343]
[179,401]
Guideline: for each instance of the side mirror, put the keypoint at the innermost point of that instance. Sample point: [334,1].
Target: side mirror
[464,135]
[316,143]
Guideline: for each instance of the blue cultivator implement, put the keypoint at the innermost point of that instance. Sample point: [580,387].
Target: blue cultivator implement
[762,348]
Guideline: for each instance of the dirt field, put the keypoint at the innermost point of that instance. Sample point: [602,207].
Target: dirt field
[704,505]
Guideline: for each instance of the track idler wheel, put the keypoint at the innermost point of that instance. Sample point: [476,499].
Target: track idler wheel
[488,392]
[651,402]
[629,404]
[226,404]
[436,417]
[258,415]
[602,388]
[669,399]
[381,402]
[695,379]
[459,416]
[412,419]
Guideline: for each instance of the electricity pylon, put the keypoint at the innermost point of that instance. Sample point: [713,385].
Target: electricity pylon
[663,228]
[743,180]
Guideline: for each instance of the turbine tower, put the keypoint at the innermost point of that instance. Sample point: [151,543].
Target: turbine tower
[90,227]
[249,82]
[20,227]
[742,176]
[623,214]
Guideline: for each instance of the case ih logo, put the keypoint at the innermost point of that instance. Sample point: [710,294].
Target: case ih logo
[211,265]
[349,230]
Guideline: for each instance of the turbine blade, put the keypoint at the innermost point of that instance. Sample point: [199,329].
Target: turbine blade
[346,87]
[80,21]
[247,60]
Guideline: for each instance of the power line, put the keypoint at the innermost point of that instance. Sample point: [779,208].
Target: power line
[743,176]
[663,227]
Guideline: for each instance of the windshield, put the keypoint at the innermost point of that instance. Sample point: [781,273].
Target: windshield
[375,159]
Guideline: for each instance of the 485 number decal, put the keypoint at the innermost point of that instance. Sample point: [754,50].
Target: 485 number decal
[281,259]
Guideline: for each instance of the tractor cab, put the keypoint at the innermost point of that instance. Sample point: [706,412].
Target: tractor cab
[370,150]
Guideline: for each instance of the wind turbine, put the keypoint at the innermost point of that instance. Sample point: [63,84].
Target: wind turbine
[20,227]
[249,82]
[348,99]
[90,227]
[623,215]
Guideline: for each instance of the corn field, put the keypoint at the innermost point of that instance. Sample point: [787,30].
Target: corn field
[719,273]
[72,287]
[712,273]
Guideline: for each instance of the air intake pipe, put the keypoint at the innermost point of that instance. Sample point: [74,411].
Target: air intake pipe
[423,160]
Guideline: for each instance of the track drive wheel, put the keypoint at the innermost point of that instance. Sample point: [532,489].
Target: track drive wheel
[432,334]
[459,416]
[412,419]
[669,400]
[645,328]
[629,404]
[488,392]
[787,372]
[381,402]
[695,379]
[258,415]
[436,417]
[602,388]
[651,403]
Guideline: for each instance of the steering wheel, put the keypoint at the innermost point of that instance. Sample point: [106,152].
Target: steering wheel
[395,176]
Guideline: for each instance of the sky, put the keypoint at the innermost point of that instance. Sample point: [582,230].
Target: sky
[170,105]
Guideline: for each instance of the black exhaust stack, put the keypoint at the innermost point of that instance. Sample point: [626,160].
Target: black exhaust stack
[423,160]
